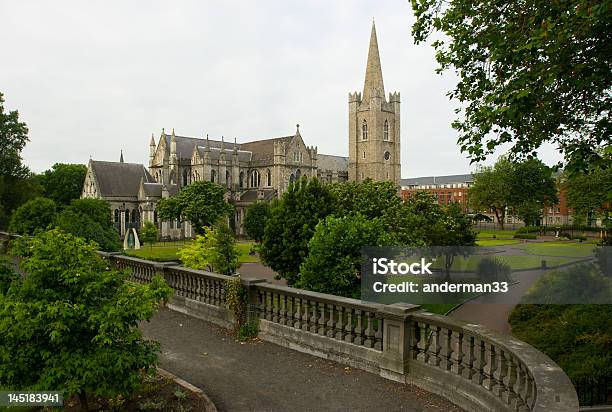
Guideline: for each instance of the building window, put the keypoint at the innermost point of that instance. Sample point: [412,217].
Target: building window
[241,179]
[213,175]
[135,216]
[364,155]
[185,177]
[127,216]
[269,178]
[255,178]
[387,155]
[301,156]
[116,215]
[364,130]
[155,216]
[386,131]
[298,174]
[228,178]
[291,179]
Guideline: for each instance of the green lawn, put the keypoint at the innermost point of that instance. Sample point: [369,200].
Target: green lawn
[497,234]
[166,251]
[560,248]
[497,242]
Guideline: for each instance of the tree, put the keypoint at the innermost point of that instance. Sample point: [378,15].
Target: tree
[590,195]
[72,324]
[371,199]
[149,233]
[532,188]
[333,264]
[202,203]
[63,182]
[492,189]
[34,215]
[292,223]
[255,220]
[90,219]
[215,251]
[16,183]
[529,72]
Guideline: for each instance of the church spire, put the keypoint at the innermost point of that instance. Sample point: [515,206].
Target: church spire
[373,85]
[121,157]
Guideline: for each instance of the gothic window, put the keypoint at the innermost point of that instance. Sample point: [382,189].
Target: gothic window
[387,155]
[116,215]
[185,177]
[364,130]
[228,178]
[301,157]
[291,178]
[155,216]
[255,178]
[386,131]
[364,155]
[213,175]
[134,216]
[241,180]
[298,174]
[127,216]
[269,178]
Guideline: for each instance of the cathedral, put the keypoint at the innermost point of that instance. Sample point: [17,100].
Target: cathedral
[255,170]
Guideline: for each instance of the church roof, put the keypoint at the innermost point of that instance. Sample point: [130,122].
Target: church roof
[263,150]
[215,153]
[117,179]
[155,189]
[333,163]
[437,180]
[185,145]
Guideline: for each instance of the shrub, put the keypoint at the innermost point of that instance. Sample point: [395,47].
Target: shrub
[255,220]
[530,229]
[33,216]
[525,236]
[215,250]
[493,269]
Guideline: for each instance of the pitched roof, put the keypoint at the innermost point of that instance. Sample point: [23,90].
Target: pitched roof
[333,163]
[185,145]
[437,180]
[264,149]
[155,189]
[117,179]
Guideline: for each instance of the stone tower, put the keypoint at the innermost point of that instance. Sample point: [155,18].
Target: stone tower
[374,126]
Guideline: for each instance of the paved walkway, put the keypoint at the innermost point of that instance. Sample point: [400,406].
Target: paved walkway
[260,376]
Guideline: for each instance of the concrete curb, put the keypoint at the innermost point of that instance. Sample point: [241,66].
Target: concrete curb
[210,406]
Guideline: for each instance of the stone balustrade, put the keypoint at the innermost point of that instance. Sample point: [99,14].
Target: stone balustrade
[474,367]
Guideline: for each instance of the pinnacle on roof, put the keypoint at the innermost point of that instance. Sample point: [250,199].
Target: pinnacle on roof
[373,85]
[152,143]
[121,157]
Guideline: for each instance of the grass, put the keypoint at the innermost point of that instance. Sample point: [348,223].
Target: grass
[559,248]
[166,251]
[495,234]
[497,242]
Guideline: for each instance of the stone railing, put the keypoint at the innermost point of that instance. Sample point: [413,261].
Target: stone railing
[472,366]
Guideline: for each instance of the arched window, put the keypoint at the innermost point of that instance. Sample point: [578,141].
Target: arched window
[228,178]
[386,131]
[116,215]
[155,216]
[291,178]
[298,174]
[364,130]
[255,179]
[241,179]
[213,175]
[185,177]
[134,216]
[127,215]
[269,178]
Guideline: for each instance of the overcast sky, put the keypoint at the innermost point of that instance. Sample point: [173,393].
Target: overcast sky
[93,77]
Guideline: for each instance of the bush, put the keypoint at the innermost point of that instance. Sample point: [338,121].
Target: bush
[525,236]
[255,220]
[493,269]
[81,225]
[215,250]
[33,216]
[7,276]
[530,229]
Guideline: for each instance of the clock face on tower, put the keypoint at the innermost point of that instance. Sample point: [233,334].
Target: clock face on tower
[387,155]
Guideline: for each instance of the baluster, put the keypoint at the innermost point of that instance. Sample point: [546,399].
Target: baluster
[201,288]
[529,391]
[425,342]
[297,317]
[283,309]
[370,339]
[503,365]
[492,367]
[275,309]
[222,293]
[482,362]
[314,317]
[350,335]
[471,358]
[331,322]
[359,339]
[262,302]
[322,319]
[459,353]
[217,299]
[305,315]
[448,349]
[378,336]
[512,379]
[269,306]
[340,323]
[520,388]
[189,286]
